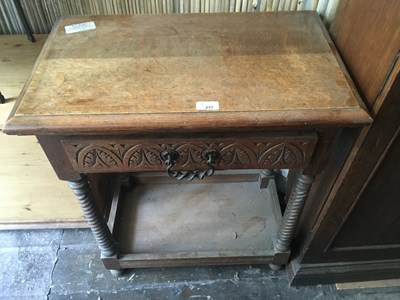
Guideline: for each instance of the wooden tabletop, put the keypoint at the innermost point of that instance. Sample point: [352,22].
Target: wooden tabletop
[146,73]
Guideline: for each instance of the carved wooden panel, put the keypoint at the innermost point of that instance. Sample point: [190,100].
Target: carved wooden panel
[129,155]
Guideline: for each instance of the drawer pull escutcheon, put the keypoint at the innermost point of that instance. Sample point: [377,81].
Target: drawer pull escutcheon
[171,156]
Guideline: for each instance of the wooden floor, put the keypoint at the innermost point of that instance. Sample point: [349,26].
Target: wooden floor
[31,196]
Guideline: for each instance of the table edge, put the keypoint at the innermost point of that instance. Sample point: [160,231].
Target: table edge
[185,122]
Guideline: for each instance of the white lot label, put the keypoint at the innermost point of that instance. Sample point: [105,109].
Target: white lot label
[80,27]
[207,105]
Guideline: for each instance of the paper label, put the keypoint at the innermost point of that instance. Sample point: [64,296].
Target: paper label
[207,105]
[79,27]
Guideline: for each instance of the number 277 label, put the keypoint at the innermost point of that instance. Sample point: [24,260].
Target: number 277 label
[207,105]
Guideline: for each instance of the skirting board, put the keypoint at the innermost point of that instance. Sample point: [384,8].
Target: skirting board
[48,224]
[369,284]
[328,273]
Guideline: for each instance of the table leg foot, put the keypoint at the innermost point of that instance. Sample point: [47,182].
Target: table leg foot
[31,38]
[275,267]
[117,273]
[265,177]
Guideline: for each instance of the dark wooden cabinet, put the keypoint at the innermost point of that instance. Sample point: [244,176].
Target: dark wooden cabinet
[351,230]
[375,222]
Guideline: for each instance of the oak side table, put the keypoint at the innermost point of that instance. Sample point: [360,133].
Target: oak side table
[168,129]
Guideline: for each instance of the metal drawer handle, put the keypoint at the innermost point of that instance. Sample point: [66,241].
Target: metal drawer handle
[171,156]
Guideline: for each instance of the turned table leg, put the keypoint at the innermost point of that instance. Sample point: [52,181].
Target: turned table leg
[265,177]
[292,213]
[101,232]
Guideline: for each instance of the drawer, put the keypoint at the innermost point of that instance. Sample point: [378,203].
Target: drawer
[110,154]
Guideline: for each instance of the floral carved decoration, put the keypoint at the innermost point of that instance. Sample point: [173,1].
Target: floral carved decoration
[146,156]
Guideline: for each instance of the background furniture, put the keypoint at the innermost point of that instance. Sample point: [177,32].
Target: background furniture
[24,21]
[356,233]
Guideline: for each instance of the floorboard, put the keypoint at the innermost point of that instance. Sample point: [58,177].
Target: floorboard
[31,194]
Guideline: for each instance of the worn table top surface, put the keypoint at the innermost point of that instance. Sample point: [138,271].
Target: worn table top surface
[146,73]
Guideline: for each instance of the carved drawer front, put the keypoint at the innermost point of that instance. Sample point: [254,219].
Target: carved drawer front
[138,155]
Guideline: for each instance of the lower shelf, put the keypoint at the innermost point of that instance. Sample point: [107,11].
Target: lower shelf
[159,225]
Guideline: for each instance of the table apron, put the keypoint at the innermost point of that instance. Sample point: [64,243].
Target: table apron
[116,154]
